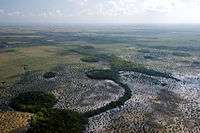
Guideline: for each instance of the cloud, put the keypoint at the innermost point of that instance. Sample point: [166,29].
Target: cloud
[51,13]
[127,8]
[159,10]
[110,8]
[15,13]
[124,10]
[163,6]
[2,11]
[11,14]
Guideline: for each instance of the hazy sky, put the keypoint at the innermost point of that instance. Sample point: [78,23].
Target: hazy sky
[100,11]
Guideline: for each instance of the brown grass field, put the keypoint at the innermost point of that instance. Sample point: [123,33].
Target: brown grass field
[14,122]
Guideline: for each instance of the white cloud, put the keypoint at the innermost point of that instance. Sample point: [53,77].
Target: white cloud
[51,13]
[124,10]
[15,13]
[2,11]
[110,8]
[11,13]
[162,6]
[160,10]
[127,8]
[59,13]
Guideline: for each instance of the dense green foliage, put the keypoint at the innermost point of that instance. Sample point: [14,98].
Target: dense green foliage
[84,51]
[118,64]
[91,52]
[103,74]
[49,75]
[46,119]
[111,75]
[57,121]
[105,57]
[182,54]
[89,59]
[10,50]
[33,101]
[144,50]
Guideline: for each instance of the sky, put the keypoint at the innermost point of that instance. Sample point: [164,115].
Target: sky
[99,11]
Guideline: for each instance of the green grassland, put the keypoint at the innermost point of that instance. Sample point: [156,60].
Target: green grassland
[13,62]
